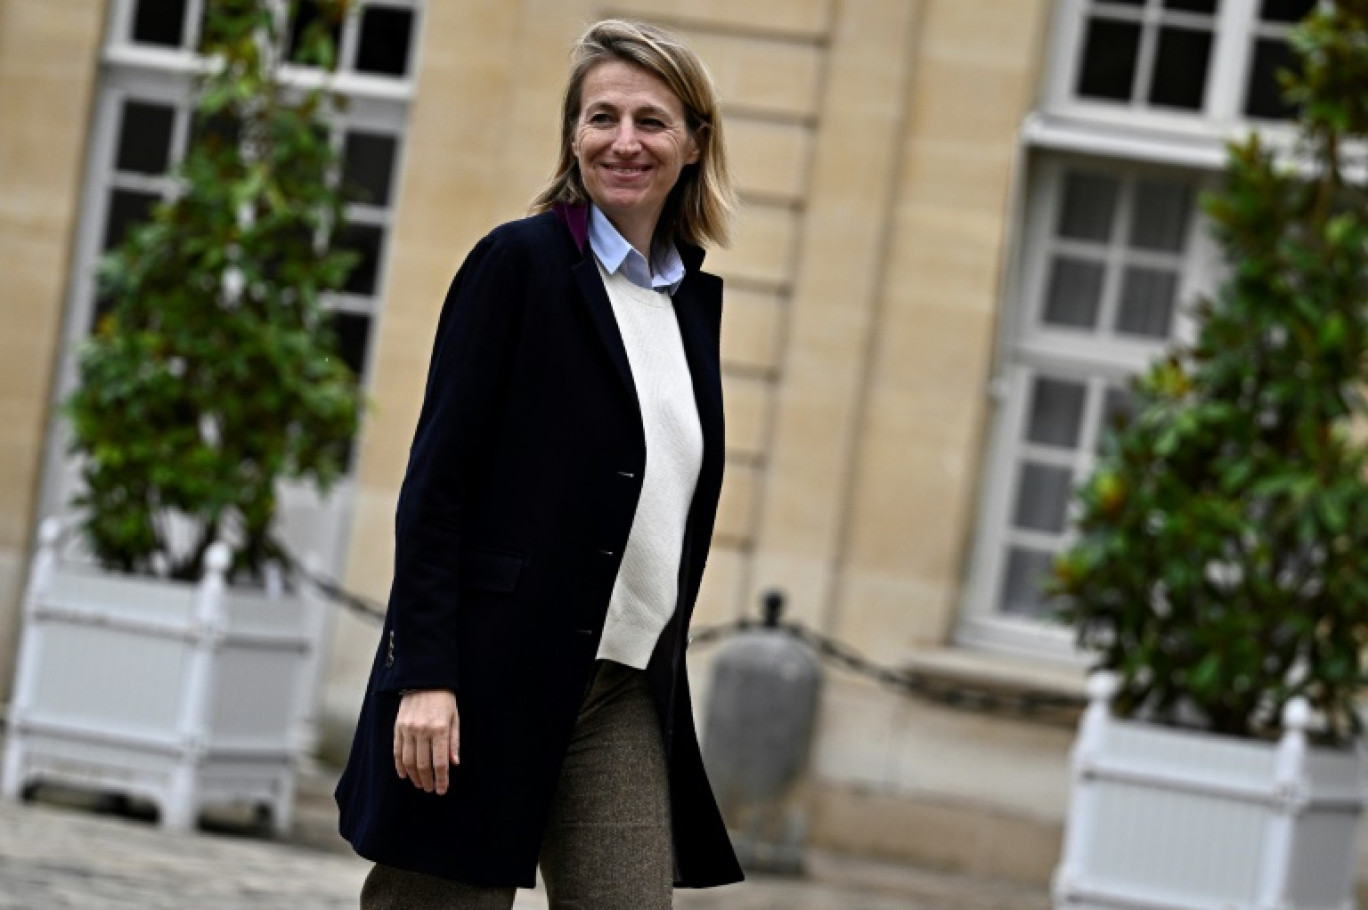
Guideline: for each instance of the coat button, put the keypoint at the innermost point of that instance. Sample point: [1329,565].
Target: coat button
[389,651]
[630,475]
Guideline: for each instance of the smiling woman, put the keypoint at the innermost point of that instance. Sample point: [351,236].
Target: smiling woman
[553,525]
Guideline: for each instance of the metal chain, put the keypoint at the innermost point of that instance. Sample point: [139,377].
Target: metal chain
[354,603]
[1035,704]
[1031,703]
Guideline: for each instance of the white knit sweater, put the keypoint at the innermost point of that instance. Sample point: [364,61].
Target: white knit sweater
[647,585]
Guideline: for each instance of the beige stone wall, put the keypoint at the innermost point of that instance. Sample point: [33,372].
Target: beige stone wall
[48,57]
[914,479]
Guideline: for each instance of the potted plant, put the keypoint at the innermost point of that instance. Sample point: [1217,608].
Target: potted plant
[1220,570]
[171,663]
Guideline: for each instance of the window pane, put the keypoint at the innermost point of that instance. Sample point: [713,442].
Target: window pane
[368,164]
[352,331]
[1075,291]
[1042,502]
[1118,407]
[1192,6]
[1159,219]
[1286,10]
[1056,412]
[309,12]
[127,208]
[1026,573]
[159,22]
[1109,55]
[385,39]
[1265,99]
[1147,302]
[1089,203]
[145,138]
[367,240]
[1180,68]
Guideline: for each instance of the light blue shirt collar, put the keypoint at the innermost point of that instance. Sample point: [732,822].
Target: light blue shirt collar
[616,254]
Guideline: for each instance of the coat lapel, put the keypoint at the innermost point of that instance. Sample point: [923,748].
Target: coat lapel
[594,297]
[698,308]
[697,305]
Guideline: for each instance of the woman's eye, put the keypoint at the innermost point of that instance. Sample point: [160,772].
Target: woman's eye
[600,118]
[651,123]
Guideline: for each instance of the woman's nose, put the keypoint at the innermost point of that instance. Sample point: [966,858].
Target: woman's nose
[626,138]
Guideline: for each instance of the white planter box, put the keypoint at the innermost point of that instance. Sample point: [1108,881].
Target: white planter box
[1164,818]
[187,695]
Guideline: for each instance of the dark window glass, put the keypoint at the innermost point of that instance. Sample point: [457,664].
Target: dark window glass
[386,34]
[1180,68]
[1075,291]
[1043,493]
[1265,100]
[1147,297]
[127,208]
[145,138]
[307,13]
[1286,10]
[367,240]
[1160,216]
[1192,6]
[1118,407]
[1022,586]
[159,22]
[1089,204]
[352,334]
[368,166]
[1109,55]
[1056,412]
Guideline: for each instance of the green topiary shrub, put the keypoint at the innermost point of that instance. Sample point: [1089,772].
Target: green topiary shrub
[212,372]
[1221,565]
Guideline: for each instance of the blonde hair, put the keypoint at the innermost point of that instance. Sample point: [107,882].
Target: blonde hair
[699,208]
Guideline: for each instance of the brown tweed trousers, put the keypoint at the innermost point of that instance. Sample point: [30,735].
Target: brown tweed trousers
[607,843]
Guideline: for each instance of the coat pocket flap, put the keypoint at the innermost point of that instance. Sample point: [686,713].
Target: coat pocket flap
[483,569]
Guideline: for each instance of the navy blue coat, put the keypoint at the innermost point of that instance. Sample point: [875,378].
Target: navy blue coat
[521,487]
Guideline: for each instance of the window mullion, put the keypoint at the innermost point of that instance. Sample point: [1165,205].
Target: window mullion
[190,36]
[1117,247]
[1149,50]
[351,38]
[1230,62]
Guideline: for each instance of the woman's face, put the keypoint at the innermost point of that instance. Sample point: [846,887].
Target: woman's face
[632,142]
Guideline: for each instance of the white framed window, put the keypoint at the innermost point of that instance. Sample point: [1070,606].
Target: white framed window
[1138,101]
[143,121]
[377,41]
[1112,252]
[1191,66]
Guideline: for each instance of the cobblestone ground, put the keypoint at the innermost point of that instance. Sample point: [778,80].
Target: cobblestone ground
[53,858]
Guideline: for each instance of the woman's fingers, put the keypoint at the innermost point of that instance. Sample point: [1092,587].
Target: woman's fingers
[425,733]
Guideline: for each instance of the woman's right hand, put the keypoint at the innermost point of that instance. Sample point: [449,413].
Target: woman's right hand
[427,738]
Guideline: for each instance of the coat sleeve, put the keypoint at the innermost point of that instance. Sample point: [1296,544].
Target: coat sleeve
[471,360]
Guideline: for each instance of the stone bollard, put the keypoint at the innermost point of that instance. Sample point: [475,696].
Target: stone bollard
[761,710]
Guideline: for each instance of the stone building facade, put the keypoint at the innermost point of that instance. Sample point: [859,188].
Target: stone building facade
[964,223]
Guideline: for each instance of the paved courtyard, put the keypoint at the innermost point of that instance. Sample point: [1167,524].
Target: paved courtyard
[65,853]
